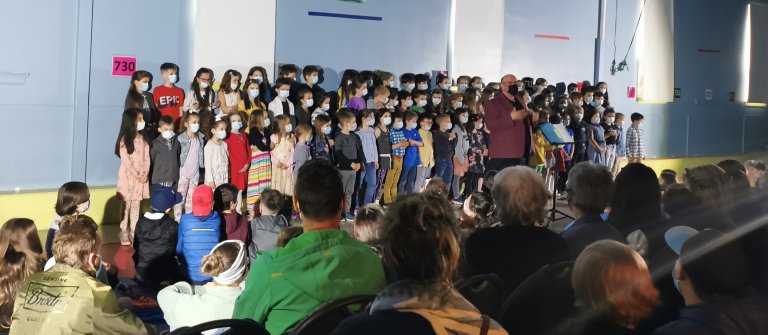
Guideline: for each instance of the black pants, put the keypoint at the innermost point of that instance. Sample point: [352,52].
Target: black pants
[472,180]
[499,164]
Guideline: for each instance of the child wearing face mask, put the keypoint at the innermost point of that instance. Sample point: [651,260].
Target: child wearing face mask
[164,155]
[249,99]
[229,92]
[460,161]
[311,78]
[579,127]
[422,82]
[478,150]
[463,83]
[399,143]
[636,139]
[426,152]
[304,106]
[405,102]
[217,155]
[611,137]
[367,137]
[191,160]
[73,198]
[282,155]
[408,82]
[444,84]
[445,147]
[318,146]
[133,177]
[239,154]
[411,160]
[471,100]
[435,103]
[259,75]
[281,105]
[167,97]
[349,158]
[596,139]
[454,103]
[322,105]
[260,170]
[384,147]
[201,97]
[357,90]
[419,101]
[301,154]
[393,101]
[380,98]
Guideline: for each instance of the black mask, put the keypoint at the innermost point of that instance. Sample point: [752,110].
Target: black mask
[513,89]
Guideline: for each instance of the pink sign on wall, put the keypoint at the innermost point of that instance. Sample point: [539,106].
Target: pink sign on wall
[631,92]
[123,66]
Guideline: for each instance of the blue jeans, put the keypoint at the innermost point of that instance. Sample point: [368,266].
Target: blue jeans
[368,176]
[444,170]
[406,180]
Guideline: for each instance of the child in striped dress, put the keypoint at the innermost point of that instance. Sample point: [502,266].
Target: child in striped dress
[260,171]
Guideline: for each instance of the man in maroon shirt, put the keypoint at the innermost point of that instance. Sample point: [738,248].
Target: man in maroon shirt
[507,119]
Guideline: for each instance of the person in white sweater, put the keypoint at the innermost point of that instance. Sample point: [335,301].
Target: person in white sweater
[185,305]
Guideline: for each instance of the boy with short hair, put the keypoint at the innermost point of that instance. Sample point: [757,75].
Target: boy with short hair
[281,104]
[155,239]
[165,155]
[225,202]
[199,232]
[426,152]
[636,139]
[621,143]
[169,99]
[419,101]
[599,99]
[310,74]
[611,137]
[380,98]
[579,127]
[265,229]
[408,81]
[348,157]
[397,139]
[422,82]
[444,146]
[411,160]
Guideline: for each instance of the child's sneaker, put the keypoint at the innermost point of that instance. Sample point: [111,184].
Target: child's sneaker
[125,238]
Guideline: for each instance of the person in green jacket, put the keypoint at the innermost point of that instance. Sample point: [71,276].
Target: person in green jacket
[68,299]
[323,264]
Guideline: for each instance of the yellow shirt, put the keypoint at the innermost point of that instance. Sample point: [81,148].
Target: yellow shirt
[426,153]
[540,147]
[259,105]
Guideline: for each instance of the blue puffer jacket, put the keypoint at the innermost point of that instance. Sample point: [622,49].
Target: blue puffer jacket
[197,236]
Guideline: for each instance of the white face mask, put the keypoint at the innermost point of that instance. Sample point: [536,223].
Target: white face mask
[422,102]
[448,126]
[457,104]
[236,125]
[423,87]
[288,128]
[284,94]
[82,208]
[427,128]
[464,119]
[167,134]
[365,91]
[326,107]
[310,102]
[314,80]
[221,134]
[204,85]
[258,79]
[611,119]
[371,122]
[462,87]
[144,87]
[353,127]
[172,78]
[410,86]
[234,86]
[254,93]
[392,84]
[436,101]
[267,122]
[409,103]
[194,127]
[398,125]
[386,99]
[387,121]
[445,86]
[140,126]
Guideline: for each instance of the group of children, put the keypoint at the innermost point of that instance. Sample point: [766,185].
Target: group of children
[385,141]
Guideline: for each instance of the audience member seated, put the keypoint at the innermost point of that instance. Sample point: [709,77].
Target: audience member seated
[367,227]
[636,209]
[199,231]
[589,188]
[322,264]
[520,245]
[756,174]
[287,234]
[185,305]
[266,228]
[73,198]
[709,183]
[667,178]
[22,256]
[613,289]
[678,202]
[154,242]
[437,187]
[225,202]
[420,251]
[712,274]
[68,299]
[478,212]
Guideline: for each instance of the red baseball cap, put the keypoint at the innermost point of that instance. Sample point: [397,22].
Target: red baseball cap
[202,201]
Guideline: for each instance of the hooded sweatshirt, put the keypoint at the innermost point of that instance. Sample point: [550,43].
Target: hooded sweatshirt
[287,284]
[153,245]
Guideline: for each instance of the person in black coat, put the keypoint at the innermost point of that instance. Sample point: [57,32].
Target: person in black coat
[154,242]
[517,246]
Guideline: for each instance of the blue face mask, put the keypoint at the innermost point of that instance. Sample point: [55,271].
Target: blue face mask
[314,80]
[675,281]
[327,130]
[592,103]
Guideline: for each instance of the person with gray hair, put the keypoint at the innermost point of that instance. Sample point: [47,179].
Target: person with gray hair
[525,245]
[589,187]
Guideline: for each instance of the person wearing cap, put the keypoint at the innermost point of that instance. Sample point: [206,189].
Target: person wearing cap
[322,264]
[185,305]
[199,232]
[711,274]
[155,239]
[589,187]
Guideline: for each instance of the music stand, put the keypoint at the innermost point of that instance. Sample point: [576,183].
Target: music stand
[555,134]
